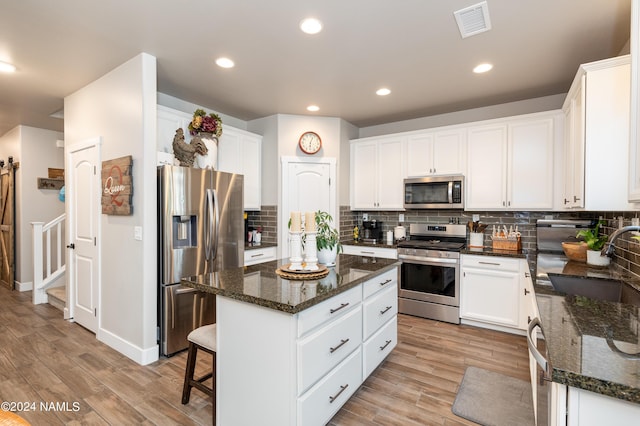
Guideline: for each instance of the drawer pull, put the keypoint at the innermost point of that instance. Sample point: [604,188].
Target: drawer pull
[385,310]
[367,252]
[334,397]
[386,282]
[489,263]
[342,342]
[526,292]
[342,305]
[385,345]
[257,255]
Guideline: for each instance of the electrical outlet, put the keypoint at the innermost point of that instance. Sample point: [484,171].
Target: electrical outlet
[365,216]
[476,218]
[137,233]
[401,217]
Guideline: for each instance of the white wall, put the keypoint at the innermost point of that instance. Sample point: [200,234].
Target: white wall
[121,108]
[546,103]
[35,149]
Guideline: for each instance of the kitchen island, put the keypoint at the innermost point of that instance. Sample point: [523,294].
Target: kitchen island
[293,351]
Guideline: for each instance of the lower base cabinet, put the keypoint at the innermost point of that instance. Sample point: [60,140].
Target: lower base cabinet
[496,292]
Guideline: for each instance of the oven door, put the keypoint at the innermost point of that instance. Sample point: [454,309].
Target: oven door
[430,279]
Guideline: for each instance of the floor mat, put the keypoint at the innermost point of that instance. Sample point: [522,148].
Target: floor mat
[493,399]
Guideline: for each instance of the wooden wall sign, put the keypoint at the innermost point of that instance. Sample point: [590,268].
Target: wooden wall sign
[117,186]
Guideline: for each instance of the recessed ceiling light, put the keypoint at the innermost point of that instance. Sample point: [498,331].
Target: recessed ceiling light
[7,67]
[313,108]
[311,26]
[383,91]
[482,68]
[225,63]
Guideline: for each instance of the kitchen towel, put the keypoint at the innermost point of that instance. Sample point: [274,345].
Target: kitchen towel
[493,399]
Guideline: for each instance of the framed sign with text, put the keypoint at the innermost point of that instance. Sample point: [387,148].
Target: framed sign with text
[117,186]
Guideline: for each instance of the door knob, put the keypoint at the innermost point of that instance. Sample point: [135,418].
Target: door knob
[71,246]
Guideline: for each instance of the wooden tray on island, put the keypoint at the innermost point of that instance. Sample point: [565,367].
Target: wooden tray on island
[292,274]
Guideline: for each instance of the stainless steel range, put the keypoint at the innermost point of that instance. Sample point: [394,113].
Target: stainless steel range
[430,271]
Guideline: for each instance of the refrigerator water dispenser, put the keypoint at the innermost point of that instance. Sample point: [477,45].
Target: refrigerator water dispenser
[185,231]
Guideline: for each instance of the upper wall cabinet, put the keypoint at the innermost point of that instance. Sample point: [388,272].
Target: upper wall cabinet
[634,140]
[377,173]
[240,152]
[597,137]
[436,153]
[511,163]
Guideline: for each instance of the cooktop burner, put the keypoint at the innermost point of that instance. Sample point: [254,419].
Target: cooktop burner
[445,237]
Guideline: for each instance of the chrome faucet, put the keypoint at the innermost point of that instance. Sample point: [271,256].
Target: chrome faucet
[609,247]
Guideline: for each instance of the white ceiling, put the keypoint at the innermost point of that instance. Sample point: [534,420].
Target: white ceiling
[412,47]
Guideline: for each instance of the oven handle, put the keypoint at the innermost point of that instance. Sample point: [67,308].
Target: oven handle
[450,192]
[420,259]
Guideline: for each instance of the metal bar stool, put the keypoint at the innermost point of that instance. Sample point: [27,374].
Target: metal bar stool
[203,338]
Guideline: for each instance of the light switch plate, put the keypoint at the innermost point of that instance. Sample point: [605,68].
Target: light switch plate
[401,217]
[137,233]
[365,216]
[476,218]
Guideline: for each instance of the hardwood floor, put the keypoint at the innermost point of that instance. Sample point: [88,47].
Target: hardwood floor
[45,359]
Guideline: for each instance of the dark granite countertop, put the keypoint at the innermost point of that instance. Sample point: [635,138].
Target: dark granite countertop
[488,251]
[586,337]
[363,244]
[260,285]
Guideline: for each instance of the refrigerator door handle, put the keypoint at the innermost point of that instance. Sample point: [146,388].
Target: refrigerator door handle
[208,225]
[217,214]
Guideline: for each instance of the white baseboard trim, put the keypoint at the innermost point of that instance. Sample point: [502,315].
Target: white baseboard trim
[139,355]
[495,327]
[26,286]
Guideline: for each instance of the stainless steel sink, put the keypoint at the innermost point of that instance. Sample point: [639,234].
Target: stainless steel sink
[611,290]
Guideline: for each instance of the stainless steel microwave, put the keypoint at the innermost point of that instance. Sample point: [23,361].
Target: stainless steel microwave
[434,192]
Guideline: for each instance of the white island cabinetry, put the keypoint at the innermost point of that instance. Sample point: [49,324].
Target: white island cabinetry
[299,369]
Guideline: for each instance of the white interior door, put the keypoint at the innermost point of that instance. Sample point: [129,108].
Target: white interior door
[83,215]
[307,186]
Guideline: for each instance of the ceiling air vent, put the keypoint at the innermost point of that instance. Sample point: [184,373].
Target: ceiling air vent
[473,20]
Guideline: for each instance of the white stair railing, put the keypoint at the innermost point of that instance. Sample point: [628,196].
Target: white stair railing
[43,253]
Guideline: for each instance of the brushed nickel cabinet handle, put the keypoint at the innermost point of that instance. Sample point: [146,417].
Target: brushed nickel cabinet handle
[386,282]
[385,311]
[257,255]
[342,305]
[526,292]
[342,342]
[489,263]
[385,345]
[334,397]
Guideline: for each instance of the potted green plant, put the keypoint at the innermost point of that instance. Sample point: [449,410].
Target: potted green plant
[327,239]
[595,244]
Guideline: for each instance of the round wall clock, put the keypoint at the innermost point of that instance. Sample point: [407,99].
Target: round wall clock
[310,142]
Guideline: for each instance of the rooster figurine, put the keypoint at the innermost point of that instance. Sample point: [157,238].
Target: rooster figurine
[184,152]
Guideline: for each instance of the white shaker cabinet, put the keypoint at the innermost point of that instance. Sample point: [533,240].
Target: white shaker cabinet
[436,153]
[511,163]
[377,173]
[495,292]
[596,161]
[240,152]
[168,121]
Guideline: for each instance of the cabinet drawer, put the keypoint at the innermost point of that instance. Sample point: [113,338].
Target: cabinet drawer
[379,346]
[320,403]
[320,352]
[491,262]
[379,309]
[388,279]
[383,252]
[255,256]
[328,310]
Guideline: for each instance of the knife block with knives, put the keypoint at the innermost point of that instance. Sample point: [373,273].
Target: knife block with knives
[506,239]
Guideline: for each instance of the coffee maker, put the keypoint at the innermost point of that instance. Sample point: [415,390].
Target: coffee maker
[371,231]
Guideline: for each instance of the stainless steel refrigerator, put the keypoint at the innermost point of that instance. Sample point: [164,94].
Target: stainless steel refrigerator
[201,230]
